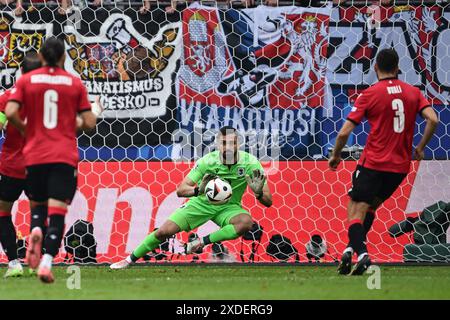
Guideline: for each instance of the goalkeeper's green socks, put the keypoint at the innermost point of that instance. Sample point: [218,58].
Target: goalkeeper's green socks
[226,233]
[150,243]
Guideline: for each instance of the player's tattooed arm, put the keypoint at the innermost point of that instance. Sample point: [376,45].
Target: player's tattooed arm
[257,182]
[12,113]
[186,188]
[341,140]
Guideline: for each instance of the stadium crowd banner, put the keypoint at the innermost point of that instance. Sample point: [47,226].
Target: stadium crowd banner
[295,72]
[16,39]
[420,35]
[286,76]
[261,70]
[130,72]
[129,60]
[127,200]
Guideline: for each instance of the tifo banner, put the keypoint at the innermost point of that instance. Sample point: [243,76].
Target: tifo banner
[130,63]
[260,70]
[420,35]
[130,72]
[127,200]
[286,77]
[267,70]
[16,39]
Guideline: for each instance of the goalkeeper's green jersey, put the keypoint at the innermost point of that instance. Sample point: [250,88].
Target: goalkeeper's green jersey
[233,174]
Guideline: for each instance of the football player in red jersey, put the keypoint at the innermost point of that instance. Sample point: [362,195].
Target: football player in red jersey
[50,99]
[391,107]
[12,176]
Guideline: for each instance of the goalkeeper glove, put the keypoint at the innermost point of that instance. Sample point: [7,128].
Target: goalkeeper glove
[256,183]
[206,178]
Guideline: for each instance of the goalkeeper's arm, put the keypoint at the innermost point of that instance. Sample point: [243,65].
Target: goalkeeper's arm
[187,188]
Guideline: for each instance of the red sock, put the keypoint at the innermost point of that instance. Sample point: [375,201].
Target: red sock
[5,214]
[57,210]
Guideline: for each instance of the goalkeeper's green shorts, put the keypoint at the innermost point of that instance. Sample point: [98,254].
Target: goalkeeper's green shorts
[190,216]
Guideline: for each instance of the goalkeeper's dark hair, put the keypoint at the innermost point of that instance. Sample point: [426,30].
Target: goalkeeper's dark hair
[227,130]
[30,62]
[387,60]
[52,51]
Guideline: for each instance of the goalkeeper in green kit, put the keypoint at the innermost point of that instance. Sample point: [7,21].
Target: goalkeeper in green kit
[240,169]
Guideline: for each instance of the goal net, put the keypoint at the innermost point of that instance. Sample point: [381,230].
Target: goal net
[285,76]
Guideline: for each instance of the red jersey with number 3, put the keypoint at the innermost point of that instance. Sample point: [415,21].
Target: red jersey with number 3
[391,107]
[12,163]
[50,98]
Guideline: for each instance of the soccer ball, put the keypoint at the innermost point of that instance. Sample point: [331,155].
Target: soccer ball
[218,191]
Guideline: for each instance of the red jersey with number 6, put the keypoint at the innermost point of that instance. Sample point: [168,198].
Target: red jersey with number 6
[391,107]
[50,98]
[12,163]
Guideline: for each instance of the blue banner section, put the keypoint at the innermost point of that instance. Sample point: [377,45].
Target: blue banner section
[285,77]
[306,145]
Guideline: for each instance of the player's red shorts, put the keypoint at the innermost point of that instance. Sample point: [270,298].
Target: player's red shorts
[369,184]
[53,180]
[11,188]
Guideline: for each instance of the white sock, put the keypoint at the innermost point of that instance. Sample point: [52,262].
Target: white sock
[128,259]
[14,263]
[362,256]
[35,228]
[46,261]
[348,249]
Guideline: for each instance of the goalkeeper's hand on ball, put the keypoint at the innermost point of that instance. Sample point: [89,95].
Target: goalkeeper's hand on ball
[256,182]
[206,178]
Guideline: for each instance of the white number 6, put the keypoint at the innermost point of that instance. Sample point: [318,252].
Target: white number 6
[50,109]
[399,118]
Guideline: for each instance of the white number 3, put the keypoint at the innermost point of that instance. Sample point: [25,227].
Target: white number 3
[399,118]
[50,109]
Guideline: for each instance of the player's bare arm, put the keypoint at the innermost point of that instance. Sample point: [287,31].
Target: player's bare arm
[188,188]
[12,114]
[86,121]
[341,140]
[432,121]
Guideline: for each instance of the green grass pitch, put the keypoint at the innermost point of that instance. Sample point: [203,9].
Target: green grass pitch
[233,282]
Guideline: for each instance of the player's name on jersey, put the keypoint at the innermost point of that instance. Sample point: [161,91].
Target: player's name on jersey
[51,79]
[394,89]
[124,87]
